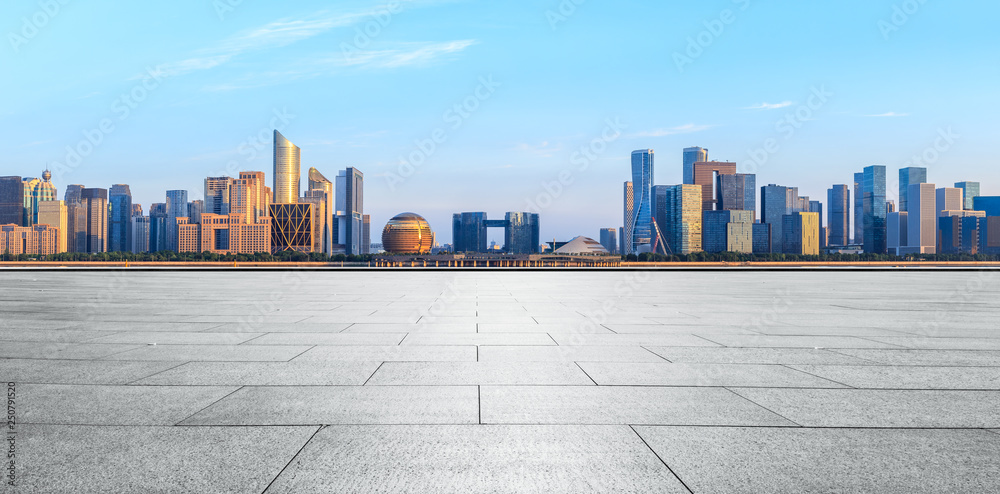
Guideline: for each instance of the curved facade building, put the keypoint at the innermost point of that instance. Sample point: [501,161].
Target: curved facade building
[287,170]
[407,233]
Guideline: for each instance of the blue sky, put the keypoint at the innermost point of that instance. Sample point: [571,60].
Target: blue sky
[360,84]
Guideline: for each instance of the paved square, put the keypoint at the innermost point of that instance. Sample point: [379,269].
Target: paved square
[503,381]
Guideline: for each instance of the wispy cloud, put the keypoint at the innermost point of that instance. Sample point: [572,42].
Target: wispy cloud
[683,129]
[769,106]
[889,114]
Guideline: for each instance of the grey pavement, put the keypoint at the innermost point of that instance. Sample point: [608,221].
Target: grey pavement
[503,381]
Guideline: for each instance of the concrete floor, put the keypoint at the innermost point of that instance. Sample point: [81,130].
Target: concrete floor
[489,381]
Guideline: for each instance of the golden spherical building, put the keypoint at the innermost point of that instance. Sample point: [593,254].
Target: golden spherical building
[407,233]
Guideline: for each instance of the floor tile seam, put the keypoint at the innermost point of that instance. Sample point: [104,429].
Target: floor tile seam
[764,407]
[658,457]
[292,459]
[789,367]
[210,405]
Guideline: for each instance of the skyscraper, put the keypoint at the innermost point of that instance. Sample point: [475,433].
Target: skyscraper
[35,192]
[685,218]
[291,227]
[874,210]
[737,192]
[320,217]
[28,185]
[11,201]
[693,155]
[249,197]
[350,210]
[897,235]
[140,233]
[287,170]
[949,199]
[801,233]
[859,210]
[366,234]
[728,231]
[53,213]
[76,219]
[177,207]
[989,204]
[95,203]
[468,232]
[775,202]
[907,177]
[217,195]
[609,239]
[921,220]
[642,183]
[661,211]
[521,233]
[320,186]
[704,175]
[629,210]
[838,200]
[120,221]
[157,227]
[970,190]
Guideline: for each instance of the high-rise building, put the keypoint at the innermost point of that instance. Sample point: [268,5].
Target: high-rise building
[896,232]
[366,234]
[817,207]
[53,213]
[921,220]
[988,204]
[629,210]
[989,235]
[319,186]
[838,200]
[28,185]
[661,222]
[76,219]
[291,227]
[217,195]
[321,224]
[859,210]
[874,209]
[36,192]
[801,233]
[970,190]
[287,170]
[693,155]
[609,239]
[37,239]
[158,227]
[11,201]
[737,192]
[704,175]
[120,219]
[761,238]
[249,198]
[177,207]
[907,177]
[350,210]
[195,210]
[522,233]
[95,204]
[468,232]
[949,199]
[958,235]
[685,218]
[140,234]
[136,209]
[776,201]
[728,231]
[642,183]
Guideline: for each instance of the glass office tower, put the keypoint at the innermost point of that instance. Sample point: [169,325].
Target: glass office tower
[521,233]
[874,211]
[177,207]
[908,176]
[970,190]
[287,170]
[691,156]
[350,210]
[468,232]
[629,209]
[120,221]
[839,214]
[642,183]
[737,192]
[859,210]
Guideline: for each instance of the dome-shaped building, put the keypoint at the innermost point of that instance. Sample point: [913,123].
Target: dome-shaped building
[407,233]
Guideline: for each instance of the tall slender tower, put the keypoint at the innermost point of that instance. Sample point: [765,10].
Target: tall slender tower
[120,222]
[642,183]
[874,210]
[287,170]
[350,210]
[838,200]
[859,209]
[629,208]
[691,156]
[908,176]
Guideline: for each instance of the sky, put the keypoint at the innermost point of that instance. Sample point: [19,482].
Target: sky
[450,106]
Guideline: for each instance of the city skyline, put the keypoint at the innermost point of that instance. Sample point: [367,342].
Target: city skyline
[544,84]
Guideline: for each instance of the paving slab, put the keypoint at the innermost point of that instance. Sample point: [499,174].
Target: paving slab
[412,328]
[669,374]
[303,327]
[880,408]
[396,353]
[77,371]
[621,405]
[478,339]
[113,405]
[591,328]
[177,338]
[154,325]
[563,353]
[329,339]
[421,458]
[764,341]
[475,373]
[57,458]
[908,377]
[752,460]
[726,355]
[212,353]
[295,373]
[61,351]
[943,343]
[313,405]
[985,358]
[631,339]
[684,329]
[50,335]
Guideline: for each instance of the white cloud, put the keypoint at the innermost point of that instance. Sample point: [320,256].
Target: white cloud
[770,106]
[890,114]
[683,129]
